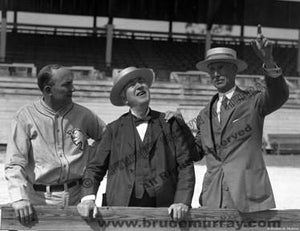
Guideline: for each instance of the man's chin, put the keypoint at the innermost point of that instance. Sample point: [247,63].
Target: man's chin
[145,101]
[68,100]
[220,87]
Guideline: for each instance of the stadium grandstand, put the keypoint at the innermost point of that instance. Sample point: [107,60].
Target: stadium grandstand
[94,53]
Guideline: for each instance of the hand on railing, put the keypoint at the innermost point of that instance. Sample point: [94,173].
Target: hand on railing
[24,211]
[85,208]
[178,211]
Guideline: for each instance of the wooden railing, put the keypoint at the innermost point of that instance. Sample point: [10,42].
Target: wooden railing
[134,218]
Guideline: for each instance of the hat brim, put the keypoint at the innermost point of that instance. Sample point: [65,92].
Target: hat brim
[203,65]
[115,93]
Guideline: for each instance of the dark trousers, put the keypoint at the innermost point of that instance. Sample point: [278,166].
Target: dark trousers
[145,201]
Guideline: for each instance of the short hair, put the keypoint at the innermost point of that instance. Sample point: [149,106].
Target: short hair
[44,76]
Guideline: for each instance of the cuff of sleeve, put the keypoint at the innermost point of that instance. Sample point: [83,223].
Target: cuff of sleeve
[272,72]
[17,194]
[88,197]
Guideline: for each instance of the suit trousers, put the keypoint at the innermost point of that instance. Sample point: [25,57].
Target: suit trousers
[145,201]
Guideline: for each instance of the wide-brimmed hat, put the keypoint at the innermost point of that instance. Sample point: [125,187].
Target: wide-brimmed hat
[221,54]
[122,78]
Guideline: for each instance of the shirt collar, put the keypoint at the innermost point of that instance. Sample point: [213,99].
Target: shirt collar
[147,113]
[228,94]
[61,111]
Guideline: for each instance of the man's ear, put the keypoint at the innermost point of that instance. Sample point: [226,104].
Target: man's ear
[47,90]
[123,97]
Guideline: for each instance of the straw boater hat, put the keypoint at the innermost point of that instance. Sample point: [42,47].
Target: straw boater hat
[221,54]
[121,79]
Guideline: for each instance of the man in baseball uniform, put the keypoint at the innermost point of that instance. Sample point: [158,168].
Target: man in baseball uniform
[47,149]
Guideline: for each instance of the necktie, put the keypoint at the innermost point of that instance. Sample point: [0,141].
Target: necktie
[138,121]
[223,108]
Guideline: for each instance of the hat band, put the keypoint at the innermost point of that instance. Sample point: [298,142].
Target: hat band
[220,56]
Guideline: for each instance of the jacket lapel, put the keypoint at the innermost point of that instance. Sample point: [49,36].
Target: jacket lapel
[126,135]
[155,130]
[226,116]
[211,114]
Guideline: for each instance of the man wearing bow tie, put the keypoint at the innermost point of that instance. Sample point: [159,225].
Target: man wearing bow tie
[149,161]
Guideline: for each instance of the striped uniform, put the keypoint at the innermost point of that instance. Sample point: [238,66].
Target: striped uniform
[49,148]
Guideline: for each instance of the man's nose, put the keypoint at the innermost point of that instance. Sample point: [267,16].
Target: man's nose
[215,73]
[139,85]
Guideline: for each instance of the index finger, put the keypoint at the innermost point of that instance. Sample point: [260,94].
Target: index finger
[258,29]
[95,212]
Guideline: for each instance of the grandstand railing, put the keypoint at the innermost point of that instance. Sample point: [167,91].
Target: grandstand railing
[18,69]
[53,30]
[242,79]
[284,143]
[136,34]
[135,218]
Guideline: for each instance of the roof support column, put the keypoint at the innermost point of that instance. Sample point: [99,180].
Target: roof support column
[3,33]
[109,42]
[298,60]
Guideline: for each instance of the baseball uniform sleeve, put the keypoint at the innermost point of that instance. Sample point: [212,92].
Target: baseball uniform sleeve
[96,127]
[17,161]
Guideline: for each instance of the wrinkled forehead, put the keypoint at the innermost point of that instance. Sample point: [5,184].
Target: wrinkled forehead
[137,79]
[132,82]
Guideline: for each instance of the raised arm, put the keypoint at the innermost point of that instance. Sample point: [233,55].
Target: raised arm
[277,92]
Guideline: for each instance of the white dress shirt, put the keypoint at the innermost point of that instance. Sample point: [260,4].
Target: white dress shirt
[142,128]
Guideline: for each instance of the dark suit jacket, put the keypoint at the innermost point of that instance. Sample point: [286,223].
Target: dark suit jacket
[234,155]
[171,162]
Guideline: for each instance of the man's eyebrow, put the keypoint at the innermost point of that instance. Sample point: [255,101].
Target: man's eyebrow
[68,82]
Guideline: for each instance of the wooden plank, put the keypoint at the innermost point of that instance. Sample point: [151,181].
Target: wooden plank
[130,218]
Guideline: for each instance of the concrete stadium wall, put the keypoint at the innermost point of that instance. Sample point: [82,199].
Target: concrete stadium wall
[189,99]
[284,120]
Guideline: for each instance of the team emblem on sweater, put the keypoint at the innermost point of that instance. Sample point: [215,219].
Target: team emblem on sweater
[78,137]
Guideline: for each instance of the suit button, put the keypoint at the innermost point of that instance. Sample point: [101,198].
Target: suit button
[129,186]
[227,189]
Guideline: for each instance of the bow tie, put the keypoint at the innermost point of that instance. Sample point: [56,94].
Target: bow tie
[138,121]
